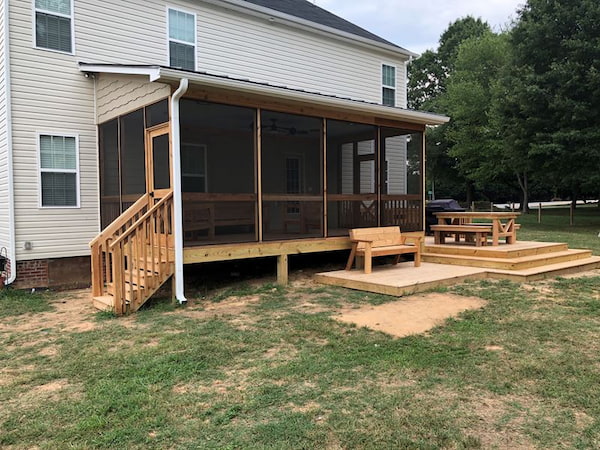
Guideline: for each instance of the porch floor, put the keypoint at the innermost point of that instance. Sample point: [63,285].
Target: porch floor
[445,265]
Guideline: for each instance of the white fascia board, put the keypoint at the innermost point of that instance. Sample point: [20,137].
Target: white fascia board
[418,117]
[152,72]
[271,15]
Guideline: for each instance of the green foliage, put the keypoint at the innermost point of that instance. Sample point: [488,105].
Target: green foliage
[557,65]
[427,83]
[523,105]
[469,104]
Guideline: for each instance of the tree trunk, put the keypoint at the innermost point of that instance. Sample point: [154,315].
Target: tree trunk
[470,193]
[524,185]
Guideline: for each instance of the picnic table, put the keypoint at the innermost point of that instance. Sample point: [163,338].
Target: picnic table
[498,224]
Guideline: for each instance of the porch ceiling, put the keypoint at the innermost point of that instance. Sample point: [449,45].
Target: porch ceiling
[272,92]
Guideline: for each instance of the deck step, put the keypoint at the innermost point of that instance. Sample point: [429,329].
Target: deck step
[503,251]
[549,271]
[103,302]
[521,263]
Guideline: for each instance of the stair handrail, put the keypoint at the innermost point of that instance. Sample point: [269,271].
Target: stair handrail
[139,242]
[141,220]
[114,226]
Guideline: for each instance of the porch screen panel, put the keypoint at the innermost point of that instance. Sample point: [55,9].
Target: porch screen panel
[401,179]
[351,177]
[133,166]
[110,184]
[292,176]
[218,173]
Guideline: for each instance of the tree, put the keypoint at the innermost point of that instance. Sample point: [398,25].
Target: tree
[473,134]
[428,77]
[557,69]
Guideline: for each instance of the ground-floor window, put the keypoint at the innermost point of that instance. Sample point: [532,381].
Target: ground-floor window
[59,166]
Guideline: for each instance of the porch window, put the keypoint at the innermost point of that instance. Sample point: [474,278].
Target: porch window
[292,176]
[54,25]
[388,83]
[218,173]
[59,171]
[351,177]
[401,180]
[182,39]
[193,167]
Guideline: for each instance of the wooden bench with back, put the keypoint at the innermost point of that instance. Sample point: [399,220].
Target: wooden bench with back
[382,241]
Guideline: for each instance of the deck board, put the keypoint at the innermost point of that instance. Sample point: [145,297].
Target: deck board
[403,278]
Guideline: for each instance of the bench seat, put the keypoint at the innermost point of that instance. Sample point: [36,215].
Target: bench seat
[472,232]
[382,241]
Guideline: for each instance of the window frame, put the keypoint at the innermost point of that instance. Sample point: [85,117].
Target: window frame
[41,170]
[386,86]
[168,34]
[71,17]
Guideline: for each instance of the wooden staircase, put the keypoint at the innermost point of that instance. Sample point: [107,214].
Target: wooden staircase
[134,256]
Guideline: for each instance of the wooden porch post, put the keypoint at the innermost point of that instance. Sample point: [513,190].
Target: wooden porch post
[282,270]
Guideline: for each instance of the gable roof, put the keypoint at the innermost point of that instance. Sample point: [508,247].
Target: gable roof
[313,13]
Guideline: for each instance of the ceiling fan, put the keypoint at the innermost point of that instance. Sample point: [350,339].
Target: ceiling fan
[274,128]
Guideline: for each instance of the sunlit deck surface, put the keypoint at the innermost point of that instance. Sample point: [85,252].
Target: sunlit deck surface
[449,264]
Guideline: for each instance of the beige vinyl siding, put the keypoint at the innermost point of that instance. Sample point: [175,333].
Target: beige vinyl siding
[396,165]
[233,44]
[117,95]
[50,95]
[4,186]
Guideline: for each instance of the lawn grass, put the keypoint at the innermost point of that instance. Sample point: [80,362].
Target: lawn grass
[260,366]
[522,372]
[18,302]
[555,227]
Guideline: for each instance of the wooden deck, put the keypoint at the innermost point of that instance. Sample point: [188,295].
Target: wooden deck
[449,264]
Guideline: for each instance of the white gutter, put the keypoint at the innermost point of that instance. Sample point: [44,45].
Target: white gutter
[279,93]
[9,147]
[177,202]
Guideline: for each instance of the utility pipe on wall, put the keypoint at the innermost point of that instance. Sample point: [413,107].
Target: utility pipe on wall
[177,201]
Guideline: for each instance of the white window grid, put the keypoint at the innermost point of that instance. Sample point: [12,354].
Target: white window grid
[385,85]
[71,18]
[179,41]
[43,170]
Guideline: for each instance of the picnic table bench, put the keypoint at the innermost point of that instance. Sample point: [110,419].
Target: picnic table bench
[498,225]
[472,232]
[382,241]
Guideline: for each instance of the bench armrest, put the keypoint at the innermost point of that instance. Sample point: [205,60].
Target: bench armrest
[417,240]
[362,240]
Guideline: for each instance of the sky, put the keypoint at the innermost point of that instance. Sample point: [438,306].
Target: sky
[418,25]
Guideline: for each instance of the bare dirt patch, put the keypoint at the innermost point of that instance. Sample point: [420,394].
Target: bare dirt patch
[72,312]
[413,315]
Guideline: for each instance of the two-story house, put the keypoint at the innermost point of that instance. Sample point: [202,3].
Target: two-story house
[187,131]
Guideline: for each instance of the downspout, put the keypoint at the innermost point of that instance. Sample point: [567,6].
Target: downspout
[177,203]
[9,148]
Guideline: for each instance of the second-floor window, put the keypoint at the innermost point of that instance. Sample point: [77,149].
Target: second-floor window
[388,83]
[182,39]
[53,25]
